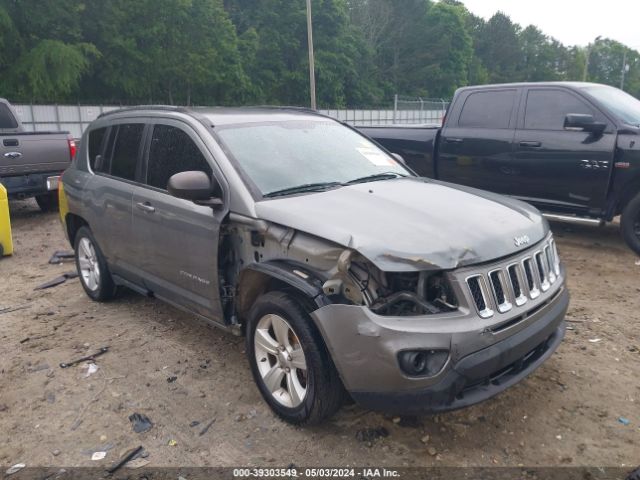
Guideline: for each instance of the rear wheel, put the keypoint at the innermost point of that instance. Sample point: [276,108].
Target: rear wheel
[630,224]
[48,202]
[92,267]
[290,362]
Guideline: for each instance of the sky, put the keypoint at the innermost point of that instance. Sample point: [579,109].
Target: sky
[572,22]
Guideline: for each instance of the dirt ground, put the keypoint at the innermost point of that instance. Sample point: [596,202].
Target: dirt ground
[566,413]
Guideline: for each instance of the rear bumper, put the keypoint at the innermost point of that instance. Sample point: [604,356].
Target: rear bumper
[29,185]
[483,374]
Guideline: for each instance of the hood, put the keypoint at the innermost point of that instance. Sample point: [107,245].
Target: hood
[412,223]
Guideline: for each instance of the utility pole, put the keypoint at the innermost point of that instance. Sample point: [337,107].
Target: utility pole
[625,67]
[312,66]
[585,74]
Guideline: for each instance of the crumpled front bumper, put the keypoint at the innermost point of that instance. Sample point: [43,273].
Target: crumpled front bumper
[482,363]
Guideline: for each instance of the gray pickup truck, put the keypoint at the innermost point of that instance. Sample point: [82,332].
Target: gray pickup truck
[343,269]
[31,162]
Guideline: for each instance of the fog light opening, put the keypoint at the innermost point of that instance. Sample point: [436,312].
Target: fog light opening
[422,363]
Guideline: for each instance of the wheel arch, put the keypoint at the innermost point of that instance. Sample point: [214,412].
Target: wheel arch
[260,278]
[629,192]
[73,223]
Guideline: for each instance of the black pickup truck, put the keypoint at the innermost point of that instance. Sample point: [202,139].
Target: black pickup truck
[567,148]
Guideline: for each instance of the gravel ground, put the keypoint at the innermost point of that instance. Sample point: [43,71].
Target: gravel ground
[567,413]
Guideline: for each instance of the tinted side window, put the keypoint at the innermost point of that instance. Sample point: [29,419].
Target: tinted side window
[172,151]
[125,150]
[6,117]
[546,109]
[96,138]
[487,109]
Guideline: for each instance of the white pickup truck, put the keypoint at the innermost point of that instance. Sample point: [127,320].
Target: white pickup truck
[31,162]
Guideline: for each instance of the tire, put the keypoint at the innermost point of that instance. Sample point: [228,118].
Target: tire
[92,267]
[300,382]
[630,224]
[48,202]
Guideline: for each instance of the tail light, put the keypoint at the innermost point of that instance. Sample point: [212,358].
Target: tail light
[72,147]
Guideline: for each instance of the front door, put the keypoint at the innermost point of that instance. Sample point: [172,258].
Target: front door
[555,168]
[176,240]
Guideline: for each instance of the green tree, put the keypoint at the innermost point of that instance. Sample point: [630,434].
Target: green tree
[43,54]
[176,51]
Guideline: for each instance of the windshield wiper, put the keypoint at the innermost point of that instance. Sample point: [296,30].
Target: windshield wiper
[307,187]
[375,177]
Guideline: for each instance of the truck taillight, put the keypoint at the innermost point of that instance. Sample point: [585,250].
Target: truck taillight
[72,147]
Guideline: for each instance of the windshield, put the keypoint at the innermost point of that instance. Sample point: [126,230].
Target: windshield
[625,107]
[282,155]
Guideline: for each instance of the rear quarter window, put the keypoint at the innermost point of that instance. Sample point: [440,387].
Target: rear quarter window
[490,109]
[96,140]
[7,120]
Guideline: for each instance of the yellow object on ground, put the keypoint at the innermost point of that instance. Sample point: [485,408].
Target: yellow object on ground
[63,208]
[6,243]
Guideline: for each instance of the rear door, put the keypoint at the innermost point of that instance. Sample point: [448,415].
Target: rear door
[176,240]
[115,159]
[476,144]
[555,168]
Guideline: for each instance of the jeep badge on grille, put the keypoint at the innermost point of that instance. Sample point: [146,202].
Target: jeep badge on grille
[522,240]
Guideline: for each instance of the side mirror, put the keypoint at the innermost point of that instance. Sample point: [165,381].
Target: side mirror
[195,186]
[584,122]
[399,158]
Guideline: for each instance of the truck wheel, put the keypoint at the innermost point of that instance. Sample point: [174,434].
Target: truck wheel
[290,362]
[92,267]
[48,202]
[630,224]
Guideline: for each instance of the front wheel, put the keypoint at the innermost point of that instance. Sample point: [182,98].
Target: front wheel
[290,362]
[92,267]
[630,224]
[48,202]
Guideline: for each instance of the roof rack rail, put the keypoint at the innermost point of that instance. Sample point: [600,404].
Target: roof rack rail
[169,108]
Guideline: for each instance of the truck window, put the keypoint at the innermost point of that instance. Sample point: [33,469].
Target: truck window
[489,109]
[96,137]
[7,120]
[172,151]
[125,151]
[546,109]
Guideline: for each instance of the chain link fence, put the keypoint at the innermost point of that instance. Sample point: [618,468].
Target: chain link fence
[75,118]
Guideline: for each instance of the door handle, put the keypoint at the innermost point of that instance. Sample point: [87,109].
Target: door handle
[146,207]
[453,140]
[531,144]
[13,155]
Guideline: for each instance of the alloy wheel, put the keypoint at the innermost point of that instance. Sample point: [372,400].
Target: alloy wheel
[281,360]
[88,262]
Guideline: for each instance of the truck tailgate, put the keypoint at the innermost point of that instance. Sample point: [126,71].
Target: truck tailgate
[24,153]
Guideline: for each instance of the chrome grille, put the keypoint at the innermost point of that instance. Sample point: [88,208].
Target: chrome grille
[516,283]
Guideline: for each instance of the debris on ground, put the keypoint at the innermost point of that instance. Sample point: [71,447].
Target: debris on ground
[60,256]
[624,421]
[371,434]
[140,422]
[195,423]
[57,281]
[102,351]
[128,456]
[595,340]
[172,379]
[98,456]
[91,369]
[15,468]
[432,451]
[425,439]
[13,309]
[207,427]
[172,443]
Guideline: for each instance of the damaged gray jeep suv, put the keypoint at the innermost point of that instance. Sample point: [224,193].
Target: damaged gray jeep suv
[347,274]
